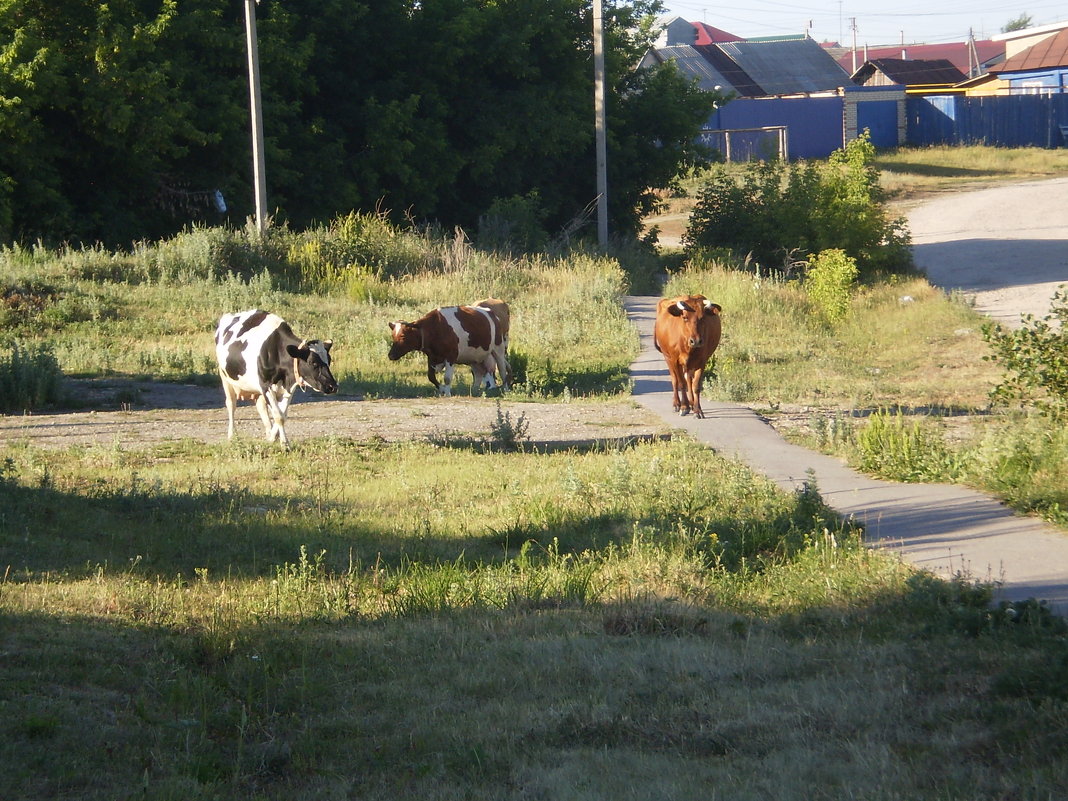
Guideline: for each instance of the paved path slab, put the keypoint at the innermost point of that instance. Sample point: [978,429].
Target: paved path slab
[946,529]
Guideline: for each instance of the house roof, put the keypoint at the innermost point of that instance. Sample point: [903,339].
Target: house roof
[989,52]
[758,69]
[912,72]
[736,77]
[690,62]
[1049,53]
[706,35]
[786,67]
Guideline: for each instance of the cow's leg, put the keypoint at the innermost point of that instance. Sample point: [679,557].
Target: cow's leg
[432,374]
[504,370]
[278,408]
[231,401]
[678,391]
[446,387]
[693,380]
[480,375]
[261,407]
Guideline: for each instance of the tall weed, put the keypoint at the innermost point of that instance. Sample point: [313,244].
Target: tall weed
[1035,359]
[904,448]
[829,283]
[29,376]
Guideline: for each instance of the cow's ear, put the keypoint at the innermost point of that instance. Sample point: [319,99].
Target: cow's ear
[715,308]
[327,344]
[675,309]
[297,353]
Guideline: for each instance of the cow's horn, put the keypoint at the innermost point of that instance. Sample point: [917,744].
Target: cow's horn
[303,345]
[682,306]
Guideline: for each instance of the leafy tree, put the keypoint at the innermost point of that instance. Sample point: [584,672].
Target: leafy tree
[99,117]
[1022,22]
[122,118]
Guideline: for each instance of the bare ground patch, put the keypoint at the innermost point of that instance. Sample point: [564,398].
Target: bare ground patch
[139,414]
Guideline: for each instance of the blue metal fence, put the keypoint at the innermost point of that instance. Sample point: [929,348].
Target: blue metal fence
[1002,120]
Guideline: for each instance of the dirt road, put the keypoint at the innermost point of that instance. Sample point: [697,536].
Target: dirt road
[156,412]
[1006,246]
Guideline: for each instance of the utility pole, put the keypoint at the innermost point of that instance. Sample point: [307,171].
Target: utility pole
[599,114]
[853,27]
[973,55]
[257,114]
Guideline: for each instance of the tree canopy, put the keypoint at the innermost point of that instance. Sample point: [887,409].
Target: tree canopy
[122,119]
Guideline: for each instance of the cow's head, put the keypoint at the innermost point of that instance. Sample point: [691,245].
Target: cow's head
[691,310]
[311,359]
[406,338]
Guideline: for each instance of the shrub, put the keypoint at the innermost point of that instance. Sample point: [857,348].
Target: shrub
[777,212]
[829,283]
[1035,358]
[514,225]
[29,377]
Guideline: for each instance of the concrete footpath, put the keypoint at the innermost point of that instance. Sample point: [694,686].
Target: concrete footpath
[945,529]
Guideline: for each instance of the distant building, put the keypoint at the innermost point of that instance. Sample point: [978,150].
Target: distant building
[970,57]
[1039,68]
[926,75]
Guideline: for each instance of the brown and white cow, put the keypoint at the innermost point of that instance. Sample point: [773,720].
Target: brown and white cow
[261,359]
[504,319]
[687,332]
[452,335]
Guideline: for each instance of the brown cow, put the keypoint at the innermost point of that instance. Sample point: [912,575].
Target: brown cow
[453,335]
[687,332]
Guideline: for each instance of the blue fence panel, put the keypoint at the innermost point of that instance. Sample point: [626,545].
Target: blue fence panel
[814,124]
[880,118]
[931,120]
[1003,120]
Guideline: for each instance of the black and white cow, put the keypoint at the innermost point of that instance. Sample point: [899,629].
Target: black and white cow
[261,359]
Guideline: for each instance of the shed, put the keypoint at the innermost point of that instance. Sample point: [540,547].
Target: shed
[928,73]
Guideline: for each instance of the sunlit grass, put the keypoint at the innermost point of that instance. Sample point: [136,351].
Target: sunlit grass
[910,171]
[903,342]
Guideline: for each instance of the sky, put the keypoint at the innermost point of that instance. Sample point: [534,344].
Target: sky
[878,22]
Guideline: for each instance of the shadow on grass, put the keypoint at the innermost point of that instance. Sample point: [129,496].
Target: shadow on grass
[941,171]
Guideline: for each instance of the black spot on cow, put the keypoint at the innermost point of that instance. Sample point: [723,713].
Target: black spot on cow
[252,321]
[235,360]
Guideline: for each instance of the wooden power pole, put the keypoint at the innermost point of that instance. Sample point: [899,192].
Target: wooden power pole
[257,115]
[599,114]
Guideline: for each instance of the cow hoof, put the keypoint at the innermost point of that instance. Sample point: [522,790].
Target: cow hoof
[683,412]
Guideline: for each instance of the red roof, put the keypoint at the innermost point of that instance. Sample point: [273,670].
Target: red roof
[707,35]
[1050,52]
[955,52]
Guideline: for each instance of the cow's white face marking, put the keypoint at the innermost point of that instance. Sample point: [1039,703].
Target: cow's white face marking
[320,349]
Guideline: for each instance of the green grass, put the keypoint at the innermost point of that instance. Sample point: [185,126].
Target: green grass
[115,314]
[907,172]
[350,619]
[240,622]
[907,358]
